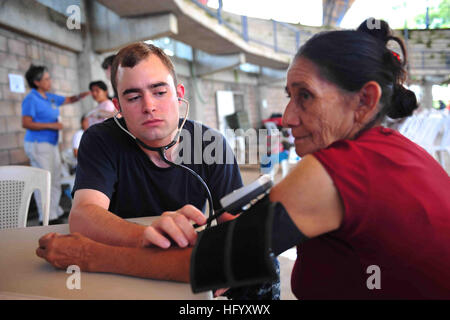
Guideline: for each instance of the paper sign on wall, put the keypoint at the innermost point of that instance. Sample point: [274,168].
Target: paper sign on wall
[16,83]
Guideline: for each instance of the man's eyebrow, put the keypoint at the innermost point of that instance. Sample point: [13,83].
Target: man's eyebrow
[158,84]
[131,90]
[152,86]
[299,84]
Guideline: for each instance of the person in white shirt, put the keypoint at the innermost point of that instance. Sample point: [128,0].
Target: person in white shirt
[77,136]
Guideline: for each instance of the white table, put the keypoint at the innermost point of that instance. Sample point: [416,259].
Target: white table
[23,275]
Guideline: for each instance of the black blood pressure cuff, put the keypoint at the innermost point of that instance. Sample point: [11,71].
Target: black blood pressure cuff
[285,233]
[239,252]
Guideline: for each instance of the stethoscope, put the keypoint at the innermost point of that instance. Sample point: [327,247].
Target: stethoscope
[162,152]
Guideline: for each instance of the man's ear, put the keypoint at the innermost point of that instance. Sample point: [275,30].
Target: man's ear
[117,104]
[180,91]
[369,97]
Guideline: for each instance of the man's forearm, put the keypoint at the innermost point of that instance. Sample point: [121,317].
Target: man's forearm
[103,226]
[153,263]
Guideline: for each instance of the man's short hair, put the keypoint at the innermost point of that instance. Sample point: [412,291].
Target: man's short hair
[131,55]
[107,62]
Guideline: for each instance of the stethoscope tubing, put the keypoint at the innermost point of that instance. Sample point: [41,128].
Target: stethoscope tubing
[161,150]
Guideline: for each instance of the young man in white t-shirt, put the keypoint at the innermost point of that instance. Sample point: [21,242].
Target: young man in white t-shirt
[77,136]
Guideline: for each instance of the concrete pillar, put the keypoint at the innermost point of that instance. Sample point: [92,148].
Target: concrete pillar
[427,94]
[195,112]
[84,58]
[89,62]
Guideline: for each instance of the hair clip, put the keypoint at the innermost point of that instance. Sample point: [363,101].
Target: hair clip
[396,55]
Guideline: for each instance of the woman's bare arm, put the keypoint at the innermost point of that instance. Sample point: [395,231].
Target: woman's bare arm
[310,197]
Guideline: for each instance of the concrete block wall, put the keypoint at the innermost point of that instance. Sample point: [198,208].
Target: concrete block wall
[17,52]
[276,99]
[208,107]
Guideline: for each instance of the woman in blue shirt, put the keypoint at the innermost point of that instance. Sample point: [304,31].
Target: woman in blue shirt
[40,112]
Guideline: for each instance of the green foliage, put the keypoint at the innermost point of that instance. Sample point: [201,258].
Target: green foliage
[438,17]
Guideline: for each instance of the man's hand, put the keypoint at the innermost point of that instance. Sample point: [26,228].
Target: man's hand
[176,226]
[62,251]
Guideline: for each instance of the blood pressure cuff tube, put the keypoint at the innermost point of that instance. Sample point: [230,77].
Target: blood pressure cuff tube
[239,252]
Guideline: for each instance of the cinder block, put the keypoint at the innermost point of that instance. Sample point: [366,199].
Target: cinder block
[17,47]
[24,64]
[50,57]
[73,63]
[55,84]
[58,72]
[4,158]
[71,74]
[63,60]
[2,125]
[3,43]
[9,95]
[8,61]
[8,141]
[65,86]
[33,51]
[18,156]
[3,75]
[20,138]
[6,108]
[14,124]
[17,107]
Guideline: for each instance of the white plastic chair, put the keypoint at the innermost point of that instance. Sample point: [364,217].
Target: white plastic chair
[429,130]
[444,146]
[17,184]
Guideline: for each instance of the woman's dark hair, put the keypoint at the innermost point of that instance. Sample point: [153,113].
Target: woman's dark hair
[350,59]
[99,84]
[34,73]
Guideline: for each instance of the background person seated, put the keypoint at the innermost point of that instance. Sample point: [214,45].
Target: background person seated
[77,136]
